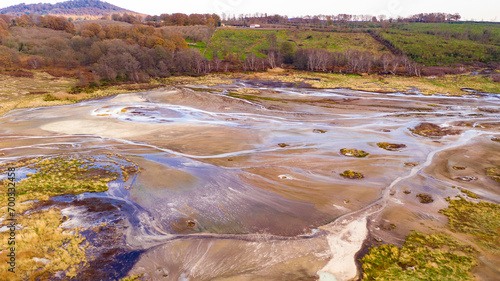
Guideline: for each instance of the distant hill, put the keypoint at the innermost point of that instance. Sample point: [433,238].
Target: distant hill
[91,8]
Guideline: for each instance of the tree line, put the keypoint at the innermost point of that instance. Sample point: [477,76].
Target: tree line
[140,52]
[175,19]
[328,20]
[321,60]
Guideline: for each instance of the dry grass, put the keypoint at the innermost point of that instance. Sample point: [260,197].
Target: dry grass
[23,92]
[42,248]
[17,92]
[449,84]
[208,80]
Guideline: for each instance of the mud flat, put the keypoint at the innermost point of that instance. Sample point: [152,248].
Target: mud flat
[244,181]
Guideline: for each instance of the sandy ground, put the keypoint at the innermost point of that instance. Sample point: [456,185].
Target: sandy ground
[344,243]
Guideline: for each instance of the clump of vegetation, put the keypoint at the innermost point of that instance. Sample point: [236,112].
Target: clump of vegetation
[478,219]
[390,146]
[469,193]
[283,144]
[351,174]
[458,168]
[134,278]
[354,153]
[60,175]
[425,198]
[495,139]
[432,130]
[319,131]
[493,173]
[422,257]
[43,247]
[68,175]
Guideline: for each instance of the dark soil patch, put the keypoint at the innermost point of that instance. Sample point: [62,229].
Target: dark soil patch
[425,198]
[432,130]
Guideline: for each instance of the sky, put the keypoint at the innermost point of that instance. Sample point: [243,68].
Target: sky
[487,10]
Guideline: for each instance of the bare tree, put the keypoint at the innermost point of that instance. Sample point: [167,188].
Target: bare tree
[386,61]
[217,64]
[251,62]
[272,58]
[34,62]
[395,64]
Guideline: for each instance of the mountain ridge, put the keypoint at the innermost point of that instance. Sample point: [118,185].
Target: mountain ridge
[92,8]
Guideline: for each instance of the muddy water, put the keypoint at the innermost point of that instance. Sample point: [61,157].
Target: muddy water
[236,188]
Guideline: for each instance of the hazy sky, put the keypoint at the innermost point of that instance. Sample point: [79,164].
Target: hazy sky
[477,9]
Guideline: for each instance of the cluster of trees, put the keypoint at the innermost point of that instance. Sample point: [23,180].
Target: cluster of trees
[180,19]
[110,52]
[142,35]
[52,22]
[4,26]
[195,33]
[433,17]
[328,20]
[321,60]
[176,19]
[118,60]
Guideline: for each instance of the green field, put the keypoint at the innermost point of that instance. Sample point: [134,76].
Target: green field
[436,50]
[482,32]
[429,44]
[242,42]
[336,41]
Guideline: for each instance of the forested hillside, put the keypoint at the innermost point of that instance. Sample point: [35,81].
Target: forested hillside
[73,7]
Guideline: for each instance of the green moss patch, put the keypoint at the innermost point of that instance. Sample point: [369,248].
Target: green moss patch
[354,153]
[390,146]
[351,174]
[422,257]
[67,175]
[482,220]
[469,193]
[493,173]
